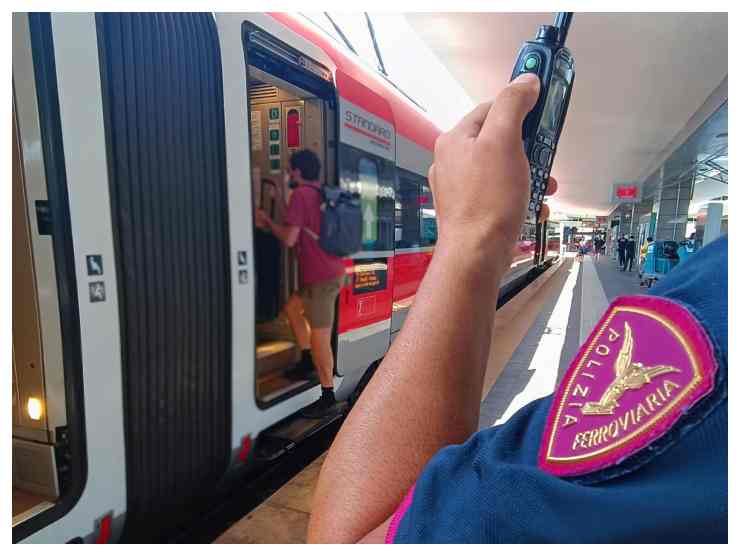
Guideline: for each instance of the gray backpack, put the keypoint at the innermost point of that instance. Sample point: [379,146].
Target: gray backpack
[341,222]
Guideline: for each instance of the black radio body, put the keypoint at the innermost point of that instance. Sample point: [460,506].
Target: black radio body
[547,57]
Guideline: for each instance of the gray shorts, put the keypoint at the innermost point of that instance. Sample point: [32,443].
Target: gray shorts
[319,300]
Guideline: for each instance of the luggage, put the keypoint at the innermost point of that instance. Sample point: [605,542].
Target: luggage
[661,258]
[341,222]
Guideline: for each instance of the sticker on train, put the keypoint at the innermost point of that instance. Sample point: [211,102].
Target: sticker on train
[369,277]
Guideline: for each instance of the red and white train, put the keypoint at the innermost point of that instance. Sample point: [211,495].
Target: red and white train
[150,350]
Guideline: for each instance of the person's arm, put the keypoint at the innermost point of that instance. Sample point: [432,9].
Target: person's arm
[287,233]
[426,393]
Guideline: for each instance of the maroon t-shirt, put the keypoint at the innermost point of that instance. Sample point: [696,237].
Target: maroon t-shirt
[315,264]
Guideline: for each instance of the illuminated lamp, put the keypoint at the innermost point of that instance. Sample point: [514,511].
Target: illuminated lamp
[34,408]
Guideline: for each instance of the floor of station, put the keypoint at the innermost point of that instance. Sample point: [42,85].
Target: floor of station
[535,336]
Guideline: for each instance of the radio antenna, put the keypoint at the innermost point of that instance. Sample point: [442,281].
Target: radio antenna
[562,22]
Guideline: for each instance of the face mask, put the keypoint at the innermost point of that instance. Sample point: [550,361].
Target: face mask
[290,182]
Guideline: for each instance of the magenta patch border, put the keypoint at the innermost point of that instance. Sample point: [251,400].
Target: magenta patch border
[390,536]
[700,351]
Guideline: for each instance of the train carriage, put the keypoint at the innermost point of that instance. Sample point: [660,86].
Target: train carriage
[150,348]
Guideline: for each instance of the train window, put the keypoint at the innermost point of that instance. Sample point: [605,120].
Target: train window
[373,178]
[408,223]
[367,176]
[428,216]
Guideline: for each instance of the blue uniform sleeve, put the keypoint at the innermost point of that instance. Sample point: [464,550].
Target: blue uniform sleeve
[490,489]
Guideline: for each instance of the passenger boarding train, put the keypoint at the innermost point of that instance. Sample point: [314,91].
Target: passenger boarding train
[150,349]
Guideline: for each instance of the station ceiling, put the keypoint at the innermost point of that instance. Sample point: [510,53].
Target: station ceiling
[640,78]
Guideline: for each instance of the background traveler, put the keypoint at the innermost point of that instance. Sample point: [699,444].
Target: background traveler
[621,249]
[629,254]
[598,247]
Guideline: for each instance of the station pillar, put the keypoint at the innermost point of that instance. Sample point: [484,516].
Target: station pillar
[713,223]
[672,208]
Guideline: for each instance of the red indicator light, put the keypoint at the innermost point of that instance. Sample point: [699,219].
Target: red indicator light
[246,446]
[105,532]
[294,129]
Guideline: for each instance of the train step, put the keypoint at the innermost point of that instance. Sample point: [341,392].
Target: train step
[292,431]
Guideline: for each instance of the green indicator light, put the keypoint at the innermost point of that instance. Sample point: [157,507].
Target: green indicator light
[274,135]
[274,149]
[531,62]
[275,164]
[274,113]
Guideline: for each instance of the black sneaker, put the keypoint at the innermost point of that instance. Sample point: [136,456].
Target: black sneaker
[320,408]
[301,371]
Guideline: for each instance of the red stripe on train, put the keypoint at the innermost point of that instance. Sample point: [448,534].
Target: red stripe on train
[368,134]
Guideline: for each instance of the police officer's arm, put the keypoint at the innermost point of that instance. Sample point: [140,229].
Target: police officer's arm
[426,393]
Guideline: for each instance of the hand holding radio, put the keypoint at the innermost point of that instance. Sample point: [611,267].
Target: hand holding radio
[548,59]
[480,175]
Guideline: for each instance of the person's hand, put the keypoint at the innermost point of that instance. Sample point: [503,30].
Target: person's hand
[261,220]
[480,174]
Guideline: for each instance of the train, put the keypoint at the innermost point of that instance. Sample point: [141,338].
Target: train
[150,348]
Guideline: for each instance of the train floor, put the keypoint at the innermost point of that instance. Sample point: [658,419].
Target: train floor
[535,336]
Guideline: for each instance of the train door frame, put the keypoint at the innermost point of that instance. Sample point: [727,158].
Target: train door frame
[248,419]
[55,57]
[272,57]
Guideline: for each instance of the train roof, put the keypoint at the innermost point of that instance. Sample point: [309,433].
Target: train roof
[365,87]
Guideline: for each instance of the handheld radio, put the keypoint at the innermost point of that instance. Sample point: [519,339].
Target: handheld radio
[547,57]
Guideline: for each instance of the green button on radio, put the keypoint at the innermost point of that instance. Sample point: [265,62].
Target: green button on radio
[531,62]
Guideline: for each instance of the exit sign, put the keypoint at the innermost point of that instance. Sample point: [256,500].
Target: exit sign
[626,192]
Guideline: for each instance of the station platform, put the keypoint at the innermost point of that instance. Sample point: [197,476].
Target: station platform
[535,336]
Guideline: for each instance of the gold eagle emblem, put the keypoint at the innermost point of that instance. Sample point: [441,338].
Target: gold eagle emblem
[629,376]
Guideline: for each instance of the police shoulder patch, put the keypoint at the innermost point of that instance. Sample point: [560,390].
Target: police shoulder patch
[646,362]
